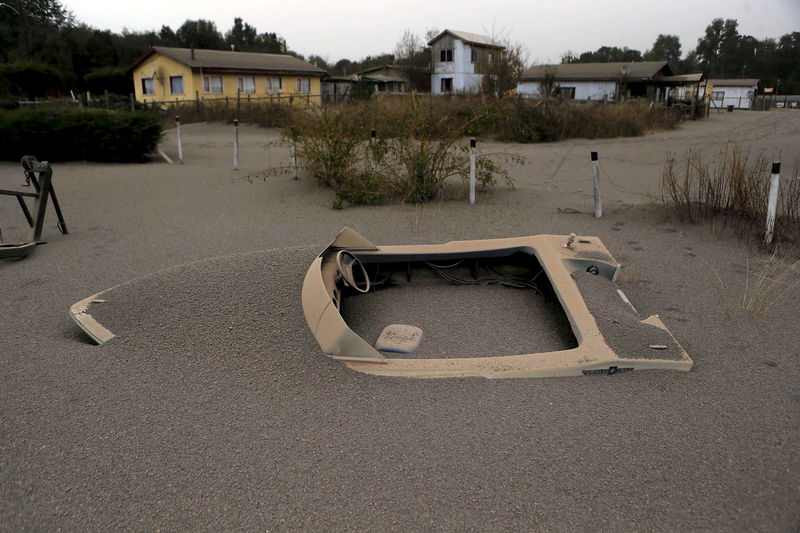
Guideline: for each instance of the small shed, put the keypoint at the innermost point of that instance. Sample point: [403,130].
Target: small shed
[386,78]
[736,92]
[336,89]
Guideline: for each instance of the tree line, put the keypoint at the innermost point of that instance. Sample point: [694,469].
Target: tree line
[44,51]
[722,52]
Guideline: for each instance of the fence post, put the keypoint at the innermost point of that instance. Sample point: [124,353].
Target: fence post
[236,144]
[105,94]
[372,135]
[598,204]
[772,205]
[133,105]
[472,170]
[294,158]
[180,143]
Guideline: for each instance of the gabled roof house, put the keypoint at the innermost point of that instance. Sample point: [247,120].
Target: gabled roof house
[597,81]
[461,60]
[165,73]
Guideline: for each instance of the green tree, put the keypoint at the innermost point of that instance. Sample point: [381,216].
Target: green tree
[28,80]
[717,51]
[666,47]
[242,36]
[167,37]
[115,80]
[17,17]
[610,54]
[200,34]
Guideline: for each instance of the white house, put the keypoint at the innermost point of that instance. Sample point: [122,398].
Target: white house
[738,93]
[461,60]
[598,81]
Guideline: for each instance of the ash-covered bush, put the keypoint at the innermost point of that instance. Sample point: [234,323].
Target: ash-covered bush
[413,159]
[78,134]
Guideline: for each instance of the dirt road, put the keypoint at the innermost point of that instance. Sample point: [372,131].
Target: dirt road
[213,408]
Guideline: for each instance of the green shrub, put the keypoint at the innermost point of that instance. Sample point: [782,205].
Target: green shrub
[69,134]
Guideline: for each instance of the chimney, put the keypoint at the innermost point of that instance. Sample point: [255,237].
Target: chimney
[192,52]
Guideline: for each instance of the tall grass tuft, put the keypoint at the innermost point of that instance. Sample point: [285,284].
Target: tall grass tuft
[770,284]
[735,184]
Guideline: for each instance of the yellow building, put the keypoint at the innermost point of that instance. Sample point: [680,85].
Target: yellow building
[167,74]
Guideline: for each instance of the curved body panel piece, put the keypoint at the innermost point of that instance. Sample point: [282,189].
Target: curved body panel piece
[611,336]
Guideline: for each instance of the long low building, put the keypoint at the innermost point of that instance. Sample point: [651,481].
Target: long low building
[169,74]
[598,81]
[736,92]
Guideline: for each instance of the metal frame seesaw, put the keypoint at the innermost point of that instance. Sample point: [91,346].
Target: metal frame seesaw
[44,190]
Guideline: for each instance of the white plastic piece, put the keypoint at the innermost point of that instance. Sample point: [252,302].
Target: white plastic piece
[399,338]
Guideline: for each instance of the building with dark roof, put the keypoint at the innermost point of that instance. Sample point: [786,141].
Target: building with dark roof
[602,81]
[164,74]
[736,92]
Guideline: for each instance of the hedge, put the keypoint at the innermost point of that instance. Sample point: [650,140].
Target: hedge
[77,134]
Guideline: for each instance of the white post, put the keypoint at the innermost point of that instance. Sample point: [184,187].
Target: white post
[472,171]
[598,204]
[372,135]
[772,205]
[180,143]
[294,159]
[236,144]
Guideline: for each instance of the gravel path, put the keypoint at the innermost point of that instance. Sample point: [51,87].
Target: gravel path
[213,409]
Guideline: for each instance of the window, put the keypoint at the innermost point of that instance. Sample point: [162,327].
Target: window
[489,58]
[446,55]
[147,86]
[473,56]
[273,85]
[447,85]
[303,85]
[567,93]
[246,84]
[717,95]
[212,84]
[176,84]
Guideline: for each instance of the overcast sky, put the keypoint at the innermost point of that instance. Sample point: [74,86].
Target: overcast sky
[352,29]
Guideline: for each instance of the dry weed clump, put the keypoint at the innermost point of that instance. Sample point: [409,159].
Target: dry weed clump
[545,121]
[733,184]
[414,162]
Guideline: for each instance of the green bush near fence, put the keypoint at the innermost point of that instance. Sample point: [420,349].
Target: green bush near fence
[70,134]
